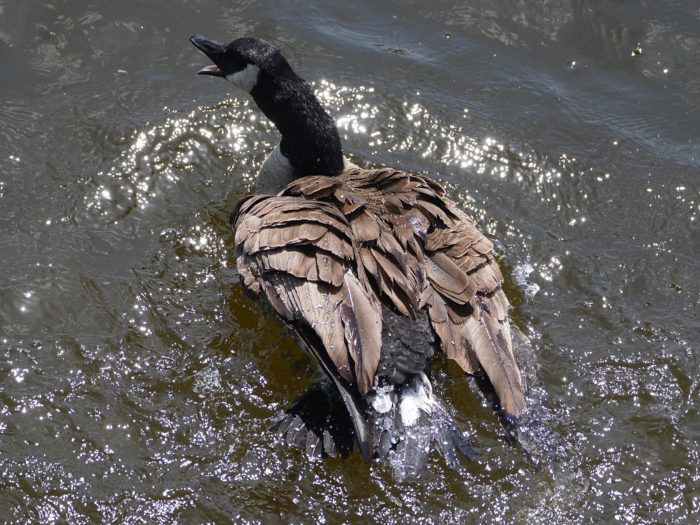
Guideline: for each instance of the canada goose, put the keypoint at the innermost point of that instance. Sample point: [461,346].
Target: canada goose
[371,268]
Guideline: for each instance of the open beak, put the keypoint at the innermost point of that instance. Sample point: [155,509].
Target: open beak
[214,50]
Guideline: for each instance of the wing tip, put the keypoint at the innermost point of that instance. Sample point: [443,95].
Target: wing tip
[515,408]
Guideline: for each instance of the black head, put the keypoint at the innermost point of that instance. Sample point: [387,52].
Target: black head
[239,61]
[310,140]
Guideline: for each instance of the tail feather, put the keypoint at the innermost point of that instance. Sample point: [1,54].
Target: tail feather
[406,424]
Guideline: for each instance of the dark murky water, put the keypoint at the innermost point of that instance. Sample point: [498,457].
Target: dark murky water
[137,382]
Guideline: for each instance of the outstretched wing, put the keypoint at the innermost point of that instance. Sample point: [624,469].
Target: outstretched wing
[415,249]
[298,253]
[477,317]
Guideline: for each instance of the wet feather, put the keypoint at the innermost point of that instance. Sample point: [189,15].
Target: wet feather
[422,252]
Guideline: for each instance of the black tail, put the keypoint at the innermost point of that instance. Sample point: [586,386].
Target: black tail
[405,424]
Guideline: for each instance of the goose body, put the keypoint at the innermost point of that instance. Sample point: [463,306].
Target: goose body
[372,269]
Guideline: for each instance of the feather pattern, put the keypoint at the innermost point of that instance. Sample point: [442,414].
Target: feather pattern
[327,252]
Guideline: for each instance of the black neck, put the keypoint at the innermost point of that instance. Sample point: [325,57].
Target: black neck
[310,139]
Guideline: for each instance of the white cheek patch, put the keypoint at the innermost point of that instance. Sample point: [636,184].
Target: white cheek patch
[246,78]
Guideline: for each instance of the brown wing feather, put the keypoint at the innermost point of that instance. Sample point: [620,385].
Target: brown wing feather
[420,250]
[300,254]
[362,321]
[328,250]
[486,327]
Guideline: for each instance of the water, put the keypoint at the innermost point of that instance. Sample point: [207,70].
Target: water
[136,380]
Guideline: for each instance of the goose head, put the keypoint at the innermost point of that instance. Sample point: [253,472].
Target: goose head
[240,61]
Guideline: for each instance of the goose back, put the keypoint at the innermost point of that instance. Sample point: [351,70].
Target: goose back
[328,252]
